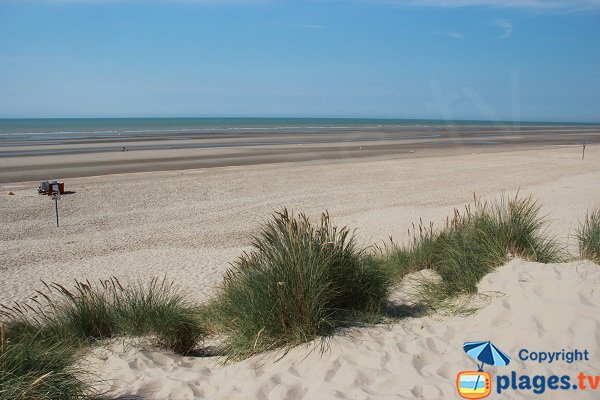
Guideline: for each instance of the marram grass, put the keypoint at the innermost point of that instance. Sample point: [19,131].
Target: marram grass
[39,342]
[588,236]
[301,281]
[35,368]
[90,312]
[474,242]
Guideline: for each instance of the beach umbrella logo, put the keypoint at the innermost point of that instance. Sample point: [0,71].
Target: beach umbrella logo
[478,384]
[486,353]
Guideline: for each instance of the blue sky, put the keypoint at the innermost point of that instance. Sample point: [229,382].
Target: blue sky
[461,59]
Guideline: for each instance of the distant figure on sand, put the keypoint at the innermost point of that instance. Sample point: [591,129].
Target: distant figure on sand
[124,149]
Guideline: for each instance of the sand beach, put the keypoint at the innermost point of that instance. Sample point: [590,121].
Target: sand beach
[189,224]
[416,358]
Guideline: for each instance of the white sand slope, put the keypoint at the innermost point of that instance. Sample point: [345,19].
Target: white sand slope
[533,306]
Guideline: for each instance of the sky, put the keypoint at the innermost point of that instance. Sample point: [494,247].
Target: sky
[520,60]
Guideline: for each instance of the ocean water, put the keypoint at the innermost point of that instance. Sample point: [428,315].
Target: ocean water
[80,128]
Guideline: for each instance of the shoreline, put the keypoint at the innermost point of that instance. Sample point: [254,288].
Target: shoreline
[62,159]
[148,169]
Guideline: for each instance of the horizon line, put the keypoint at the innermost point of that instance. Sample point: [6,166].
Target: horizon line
[508,121]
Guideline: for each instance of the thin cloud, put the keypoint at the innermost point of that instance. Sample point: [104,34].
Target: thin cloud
[521,4]
[288,25]
[506,26]
[297,26]
[25,57]
[207,2]
[455,35]
[451,34]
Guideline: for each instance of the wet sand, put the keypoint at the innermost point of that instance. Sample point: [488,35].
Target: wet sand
[22,160]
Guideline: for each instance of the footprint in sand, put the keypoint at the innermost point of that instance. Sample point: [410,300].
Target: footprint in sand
[329,375]
[418,363]
[276,379]
[585,300]
[540,328]
[427,392]
[447,370]
[137,364]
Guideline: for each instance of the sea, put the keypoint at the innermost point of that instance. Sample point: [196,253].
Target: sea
[47,129]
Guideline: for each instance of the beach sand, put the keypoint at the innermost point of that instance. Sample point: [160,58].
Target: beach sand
[530,306]
[189,224]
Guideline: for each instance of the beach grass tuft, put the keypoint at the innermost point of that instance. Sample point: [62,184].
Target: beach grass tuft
[91,312]
[39,339]
[162,310]
[300,281]
[34,368]
[588,236]
[474,242]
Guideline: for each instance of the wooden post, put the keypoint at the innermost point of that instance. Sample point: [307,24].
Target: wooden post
[56,197]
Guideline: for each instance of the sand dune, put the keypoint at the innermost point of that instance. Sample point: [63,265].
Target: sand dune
[530,306]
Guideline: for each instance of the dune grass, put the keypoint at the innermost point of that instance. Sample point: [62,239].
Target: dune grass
[34,368]
[301,281]
[588,236]
[90,312]
[40,339]
[473,243]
